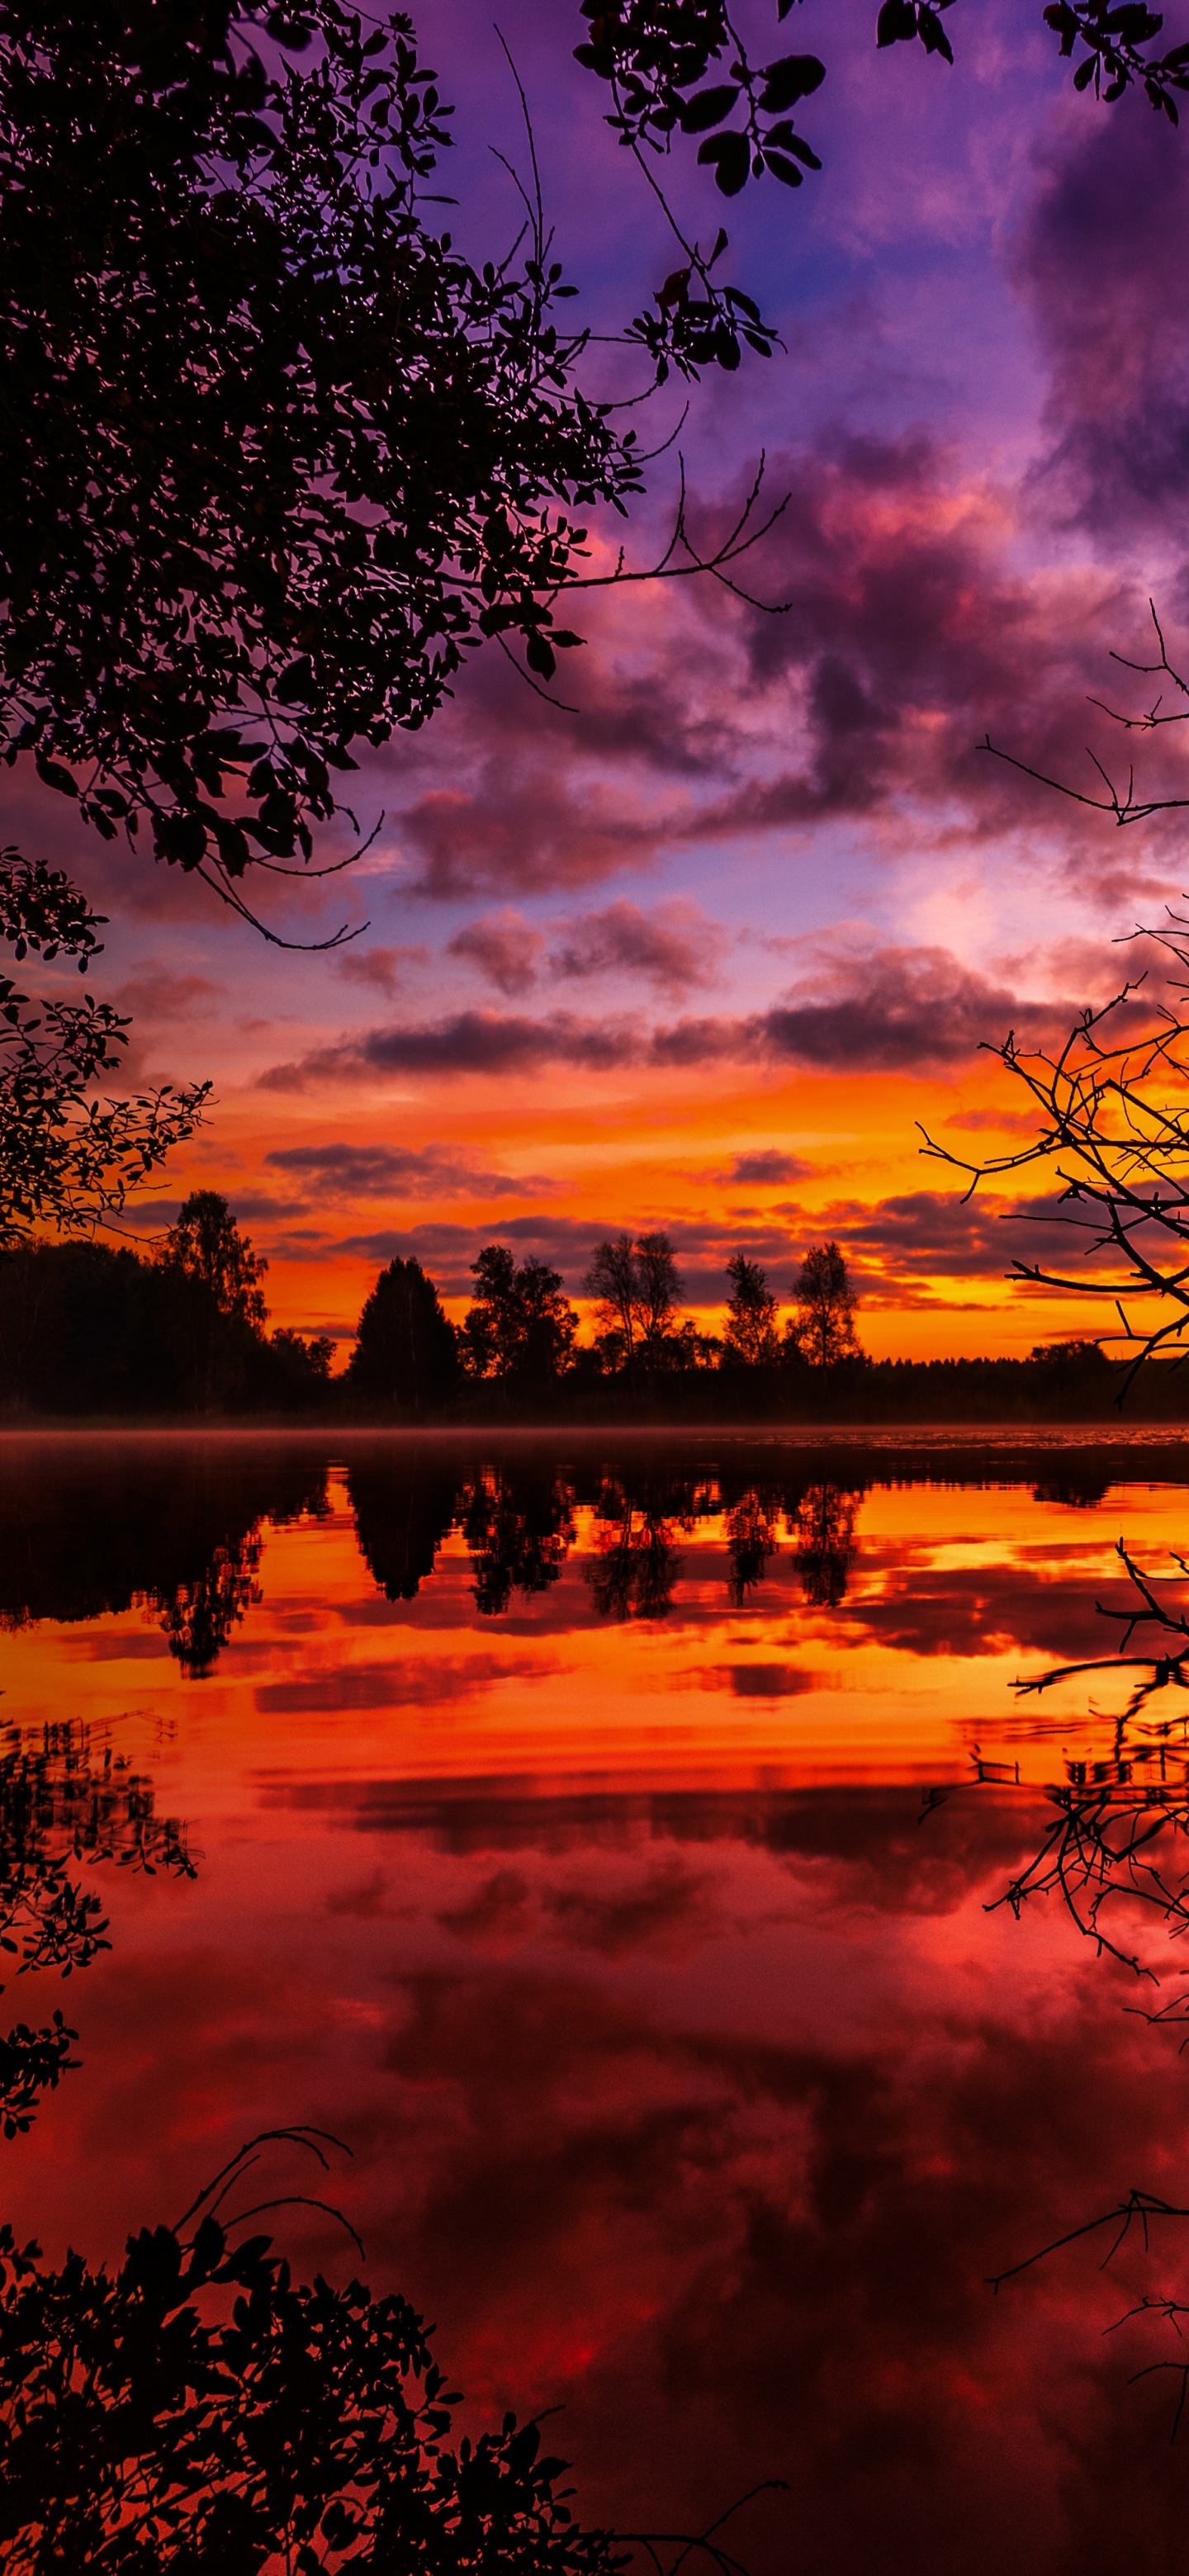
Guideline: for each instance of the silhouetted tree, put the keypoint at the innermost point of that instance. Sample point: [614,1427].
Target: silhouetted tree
[85,1329]
[659,1289]
[612,1280]
[224,1329]
[276,454]
[206,1244]
[637,1290]
[282,452]
[823,1329]
[406,1354]
[751,1315]
[522,1324]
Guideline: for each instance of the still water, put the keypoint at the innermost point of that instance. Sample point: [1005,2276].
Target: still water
[597,1836]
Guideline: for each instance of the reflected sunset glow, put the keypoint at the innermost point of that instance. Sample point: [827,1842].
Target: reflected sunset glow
[688,2083]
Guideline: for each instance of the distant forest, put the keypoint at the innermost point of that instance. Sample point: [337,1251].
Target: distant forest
[92,1333]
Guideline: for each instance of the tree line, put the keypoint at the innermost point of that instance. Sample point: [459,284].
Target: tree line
[85,1328]
[183,1332]
[521,1329]
[89,1329]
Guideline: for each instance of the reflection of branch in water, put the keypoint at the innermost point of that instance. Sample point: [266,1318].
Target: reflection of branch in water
[60,1804]
[1100,1846]
[1139,2208]
[32,2062]
[1164,1671]
[1103,1844]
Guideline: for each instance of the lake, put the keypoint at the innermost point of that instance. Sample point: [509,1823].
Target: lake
[597,1834]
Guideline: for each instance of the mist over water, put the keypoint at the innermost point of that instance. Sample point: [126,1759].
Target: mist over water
[561,1830]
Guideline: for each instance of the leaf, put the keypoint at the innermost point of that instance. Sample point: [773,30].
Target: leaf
[781,138]
[731,157]
[896,23]
[708,108]
[296,683]
[932,34]
[538,656]
[796,76]
[782,169]
[52,774]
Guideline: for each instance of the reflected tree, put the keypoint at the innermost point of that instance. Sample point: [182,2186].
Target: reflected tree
[199,1617]
[174,1532]
[403,1511]
[61,1803]
[519,1526]
[638,1562]
[750,1529]
[823,1521]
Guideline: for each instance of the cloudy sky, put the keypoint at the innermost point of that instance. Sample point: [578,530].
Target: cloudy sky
[702,948]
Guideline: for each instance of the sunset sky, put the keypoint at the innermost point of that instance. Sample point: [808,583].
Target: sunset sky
[701,953]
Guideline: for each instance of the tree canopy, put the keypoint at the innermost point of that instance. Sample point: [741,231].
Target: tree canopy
[521,1324]
[275,454]
[405,1352]
[823,1328]
[635,1284]
[751,1314]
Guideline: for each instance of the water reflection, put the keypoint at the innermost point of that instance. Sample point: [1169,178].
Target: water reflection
[638,1561]
[519,1527]
[825,1527]
[94,1527]
[563,1821]
[62,1802]
[403,1509]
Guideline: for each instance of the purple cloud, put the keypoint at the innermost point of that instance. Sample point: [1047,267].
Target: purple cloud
[674,945]
[504,948]
[346,1172]
[896,1010]
[1101,260]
